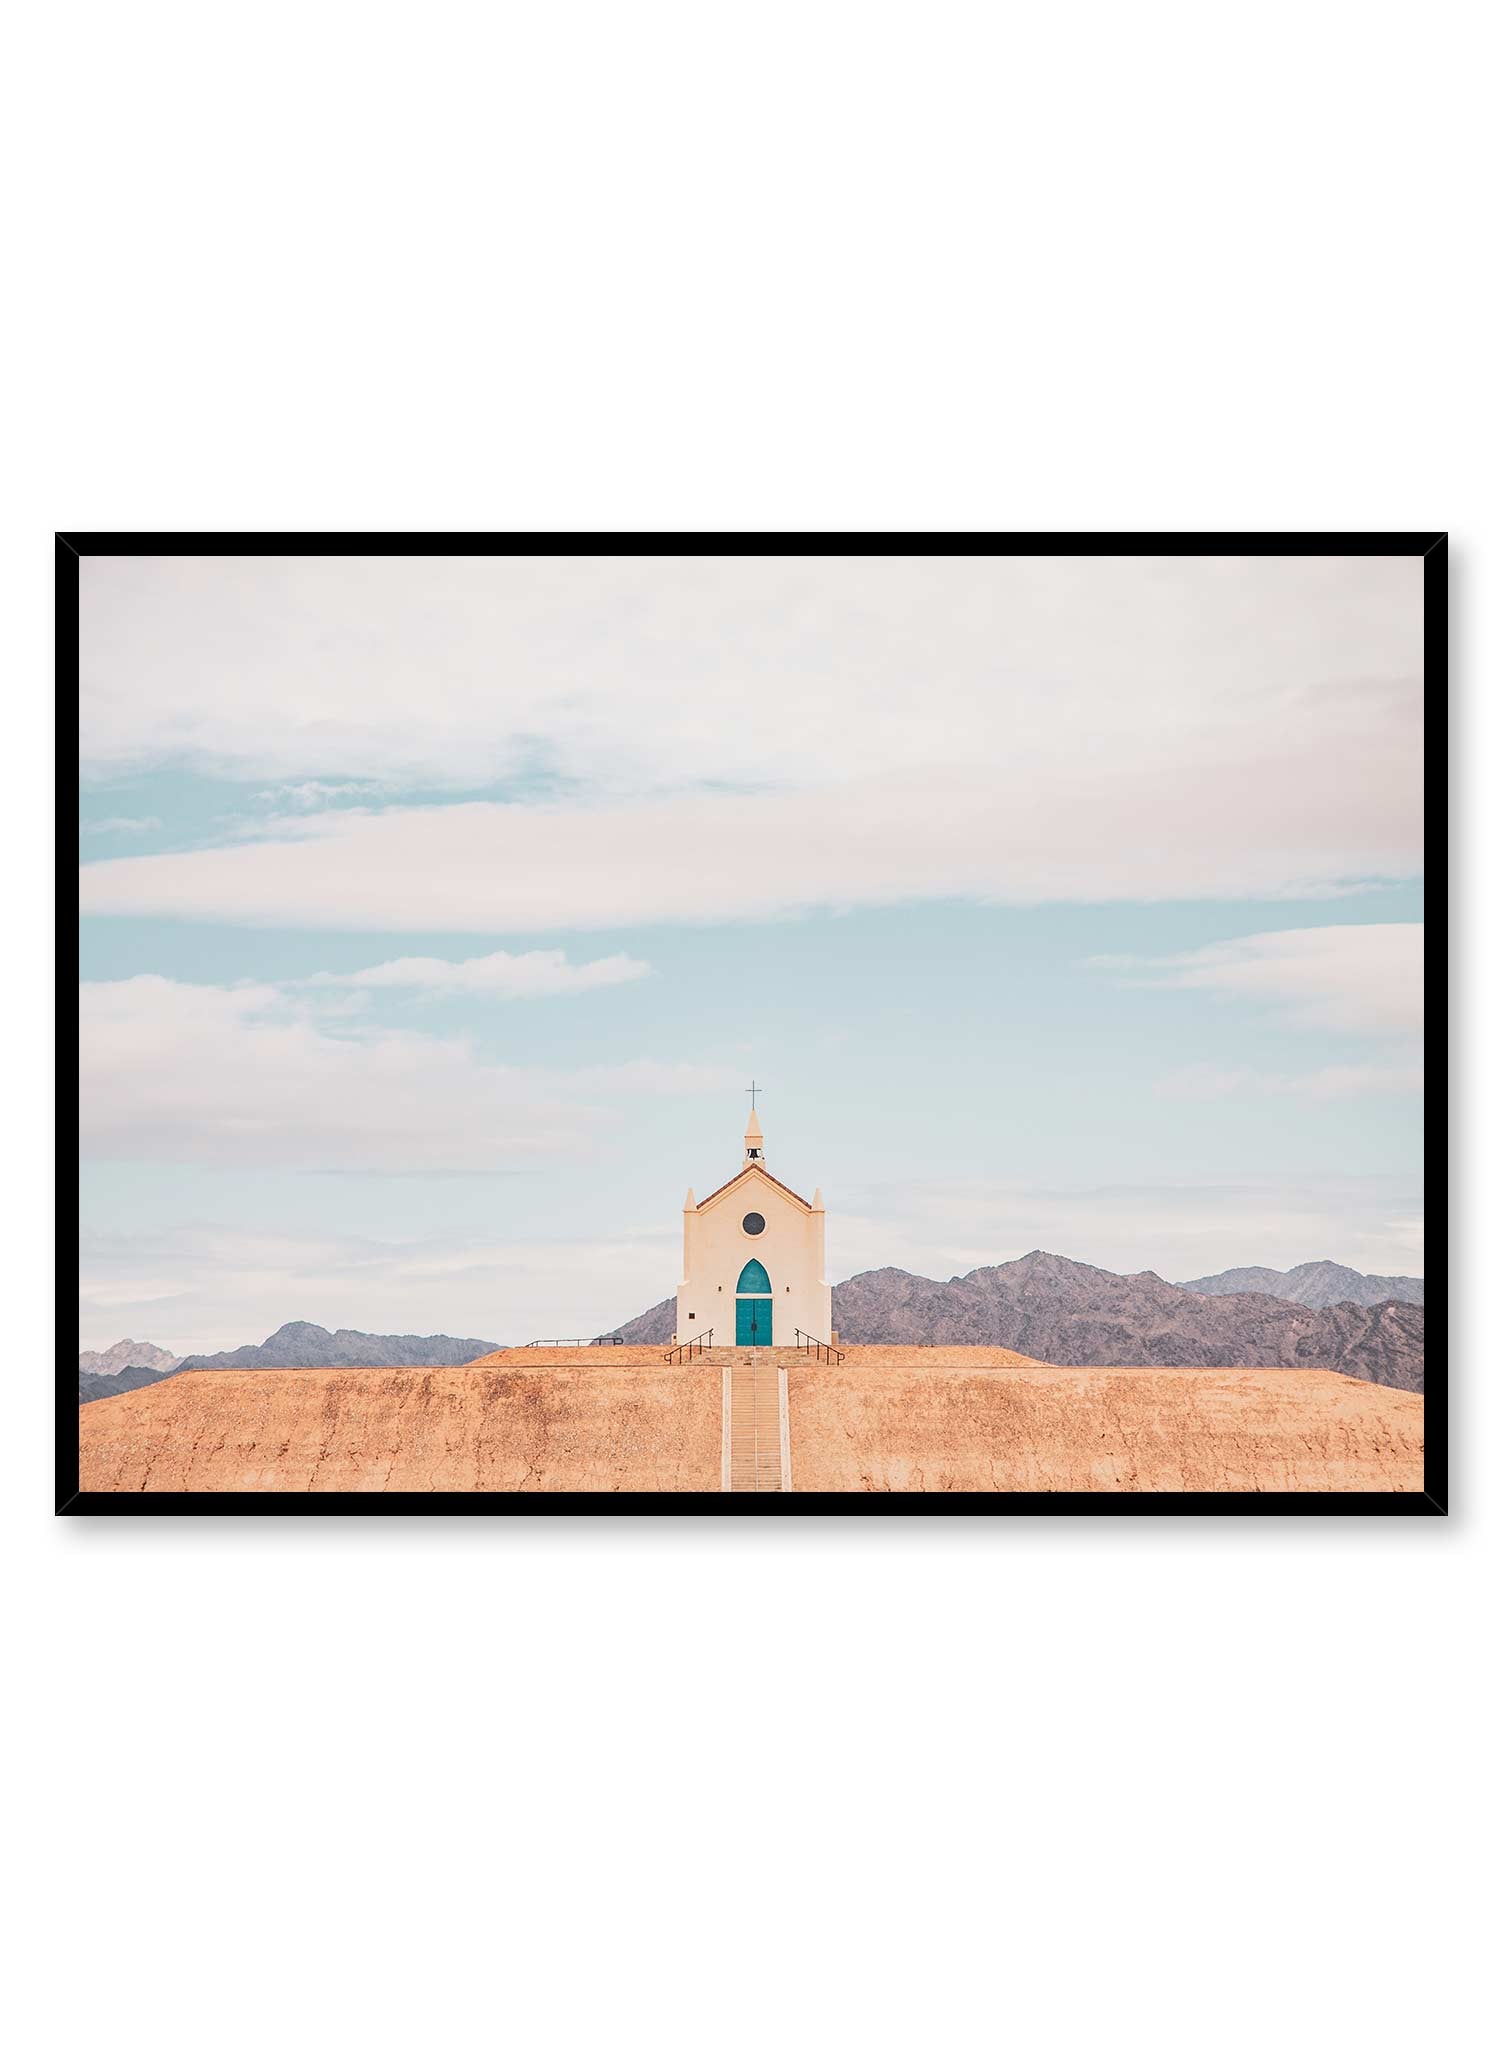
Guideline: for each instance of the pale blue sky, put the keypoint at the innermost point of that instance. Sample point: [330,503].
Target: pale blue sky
[1138,1069]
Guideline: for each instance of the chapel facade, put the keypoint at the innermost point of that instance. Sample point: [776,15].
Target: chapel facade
[754,1260]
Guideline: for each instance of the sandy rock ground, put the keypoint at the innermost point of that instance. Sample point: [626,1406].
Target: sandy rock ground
[617,1419]
[934,1419]
[564,1426]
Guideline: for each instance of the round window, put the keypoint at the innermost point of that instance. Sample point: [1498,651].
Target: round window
[754,1224]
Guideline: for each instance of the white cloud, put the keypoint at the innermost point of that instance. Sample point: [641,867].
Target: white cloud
[745,737]
[208,1289]
[123,825]
[252,1076]
[1204,1081]
[503,975]
[1002,833]
[308,796]
[1333,1083]
[1207,1082]
[642,673]
[1366,978]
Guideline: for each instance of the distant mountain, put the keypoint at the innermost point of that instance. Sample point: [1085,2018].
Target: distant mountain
[96,1386]
[1072,1314]
[653,1326]
[294,1344]
[126,1353]
[1321,1284]
[310,1344]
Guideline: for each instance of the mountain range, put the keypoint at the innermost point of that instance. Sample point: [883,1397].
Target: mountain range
[1369,1326]
[1073,1314]
[311,1344]
[101,1364]
[1321,1284]
[294,1344]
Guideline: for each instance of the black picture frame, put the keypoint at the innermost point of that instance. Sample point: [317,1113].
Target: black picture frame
[73,547]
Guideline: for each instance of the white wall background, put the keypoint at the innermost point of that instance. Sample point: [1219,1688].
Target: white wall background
[819,266]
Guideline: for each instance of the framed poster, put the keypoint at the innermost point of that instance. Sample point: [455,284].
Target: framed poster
[752,1024]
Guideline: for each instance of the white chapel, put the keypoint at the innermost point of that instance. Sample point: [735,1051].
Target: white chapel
[754,1259]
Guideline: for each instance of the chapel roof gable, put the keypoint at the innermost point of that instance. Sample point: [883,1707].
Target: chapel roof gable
[752,1168]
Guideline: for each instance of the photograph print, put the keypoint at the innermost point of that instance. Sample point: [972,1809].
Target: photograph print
[749,1025]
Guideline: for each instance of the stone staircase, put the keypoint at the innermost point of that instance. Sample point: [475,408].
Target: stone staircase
[754,1424]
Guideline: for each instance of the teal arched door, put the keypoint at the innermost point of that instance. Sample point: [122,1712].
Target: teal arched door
[754,1304]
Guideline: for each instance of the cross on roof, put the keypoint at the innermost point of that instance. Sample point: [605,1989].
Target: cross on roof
[752,1092]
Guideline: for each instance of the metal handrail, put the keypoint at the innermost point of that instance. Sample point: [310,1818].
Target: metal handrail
[804,1342]
[569,1343]
[705,1341]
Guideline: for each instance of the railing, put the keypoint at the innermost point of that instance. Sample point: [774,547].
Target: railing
[804,1342]
[705,1341]
[569,1343]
